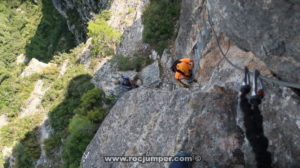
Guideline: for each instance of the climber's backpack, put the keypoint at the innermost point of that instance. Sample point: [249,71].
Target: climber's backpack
[126,81]
[174,69]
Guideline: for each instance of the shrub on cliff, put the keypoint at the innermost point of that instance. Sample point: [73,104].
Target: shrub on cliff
[28,150]
[104,37]
[159,21]
[135,62]
[81,133]
[82,127]
[92,104]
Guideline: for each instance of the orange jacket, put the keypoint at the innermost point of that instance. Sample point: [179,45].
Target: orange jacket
[185,66]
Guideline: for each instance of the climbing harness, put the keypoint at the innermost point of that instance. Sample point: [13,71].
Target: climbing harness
[268,79]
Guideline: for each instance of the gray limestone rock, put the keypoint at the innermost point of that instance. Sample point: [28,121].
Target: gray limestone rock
[270,29]
[150,75]
[127,18]
[207,120]
[35,66]
[160,123]
[189,27]
[106,77]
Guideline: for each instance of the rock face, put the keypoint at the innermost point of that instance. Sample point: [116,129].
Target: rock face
[159,123]
[270,29]
[21,59]
[280,110]
[206,120]
[190,21]
[150,75]
[280,105]
[126,17]
[106,76]
[44,131]
[125,14]
[35,66]
[78,13]
[33,102]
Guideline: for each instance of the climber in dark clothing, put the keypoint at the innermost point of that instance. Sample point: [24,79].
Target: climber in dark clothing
[126,83]
[253,120]
[181,164]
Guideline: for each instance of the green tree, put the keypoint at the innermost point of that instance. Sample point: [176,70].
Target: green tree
[159,21]
[104,37]
[81,133]
[92,104]
[28,150]
[131,62]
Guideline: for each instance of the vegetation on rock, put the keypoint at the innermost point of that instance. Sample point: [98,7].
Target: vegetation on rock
[159,21]
[74,106]
[36,30]
[132,62]
[104,37]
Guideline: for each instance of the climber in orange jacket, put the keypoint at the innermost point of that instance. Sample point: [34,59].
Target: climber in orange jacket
[183,70]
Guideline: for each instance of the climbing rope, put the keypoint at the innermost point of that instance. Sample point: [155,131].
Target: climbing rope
[268,79]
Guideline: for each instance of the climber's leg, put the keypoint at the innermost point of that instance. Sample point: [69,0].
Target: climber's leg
[258,140]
